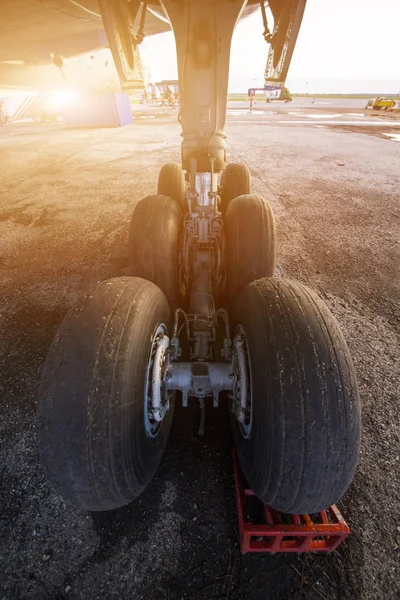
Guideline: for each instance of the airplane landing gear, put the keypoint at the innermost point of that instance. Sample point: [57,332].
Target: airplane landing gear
[109,383]
[202,314]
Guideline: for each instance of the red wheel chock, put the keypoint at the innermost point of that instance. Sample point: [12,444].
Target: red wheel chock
[271,531]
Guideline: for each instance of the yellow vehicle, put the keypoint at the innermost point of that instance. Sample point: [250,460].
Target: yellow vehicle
[380,103]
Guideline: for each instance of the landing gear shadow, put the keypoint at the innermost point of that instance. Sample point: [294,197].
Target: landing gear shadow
[199,472]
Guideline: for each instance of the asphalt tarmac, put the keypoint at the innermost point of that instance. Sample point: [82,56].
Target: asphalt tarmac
[332,175]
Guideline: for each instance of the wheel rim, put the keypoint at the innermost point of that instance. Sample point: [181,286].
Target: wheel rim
[151,425]
[244,414]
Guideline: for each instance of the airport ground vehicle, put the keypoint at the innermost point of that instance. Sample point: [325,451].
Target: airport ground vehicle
[282,94]
[380,103]
[202,316]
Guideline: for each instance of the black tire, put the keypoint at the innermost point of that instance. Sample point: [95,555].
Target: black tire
[235,181]
[302,451]
[154,245]
[171,182]
[250,242]
[90,416]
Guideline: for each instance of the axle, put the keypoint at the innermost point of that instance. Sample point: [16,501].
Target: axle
[197,378]
[201,379]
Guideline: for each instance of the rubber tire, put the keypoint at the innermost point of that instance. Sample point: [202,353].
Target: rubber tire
[90,414]
[250,242]
[305,441]
[171,182]
[235,181]
[154,245]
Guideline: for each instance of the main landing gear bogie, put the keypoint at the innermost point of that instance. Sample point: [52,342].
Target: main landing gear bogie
[201,314]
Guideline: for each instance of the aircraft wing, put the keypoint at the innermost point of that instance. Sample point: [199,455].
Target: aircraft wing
[33,30]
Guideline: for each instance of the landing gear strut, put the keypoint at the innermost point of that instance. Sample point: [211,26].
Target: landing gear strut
[202,314]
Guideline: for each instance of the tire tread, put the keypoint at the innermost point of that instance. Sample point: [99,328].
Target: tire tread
[305,444]
[250,242]
[235,181]
[154,244]
[91,400]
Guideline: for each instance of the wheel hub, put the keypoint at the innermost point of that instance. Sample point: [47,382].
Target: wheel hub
[242,394]
[157,394]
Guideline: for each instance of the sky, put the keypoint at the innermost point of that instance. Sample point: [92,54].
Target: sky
[344,46]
